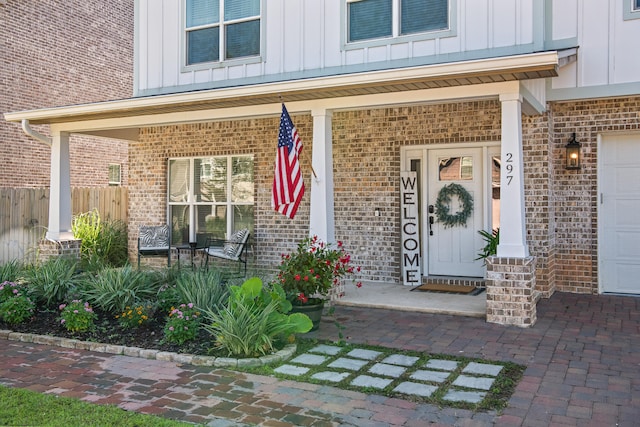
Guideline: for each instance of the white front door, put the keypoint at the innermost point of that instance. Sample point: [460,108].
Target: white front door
[618,218]
[452,250]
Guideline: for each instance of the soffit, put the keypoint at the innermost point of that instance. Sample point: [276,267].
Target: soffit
[495,70]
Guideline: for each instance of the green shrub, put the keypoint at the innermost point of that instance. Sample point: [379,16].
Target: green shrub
[77,316]
[50,282]
[205,289]
[134,317]
[10,289]
[11,271]
[16,309]
[102,242]
[183,324]
[254,320]
[114,289]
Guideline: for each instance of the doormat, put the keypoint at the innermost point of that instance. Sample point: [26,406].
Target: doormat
[449,289]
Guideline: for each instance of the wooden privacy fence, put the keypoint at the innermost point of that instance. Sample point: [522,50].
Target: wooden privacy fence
[24,215]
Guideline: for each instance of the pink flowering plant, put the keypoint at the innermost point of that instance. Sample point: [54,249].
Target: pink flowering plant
[77,316]
[310,273]
[15,306]
[10,289]
[183,324]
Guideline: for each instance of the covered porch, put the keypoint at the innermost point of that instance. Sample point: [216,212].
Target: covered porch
[517,83]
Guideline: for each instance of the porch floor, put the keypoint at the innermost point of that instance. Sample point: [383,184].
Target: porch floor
[400,297]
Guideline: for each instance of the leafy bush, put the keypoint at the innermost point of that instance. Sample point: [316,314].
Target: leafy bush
[10,289]
[254,320]
[114,289]
[10,271]
[102,242]
[50,282]
[183,324]
[204,288]
[135,317]
[16,309]
[77,316]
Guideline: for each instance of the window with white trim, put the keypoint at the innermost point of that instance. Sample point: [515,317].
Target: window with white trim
[373,19]
[210,195]
[219,30]
[115,174]
[636,5]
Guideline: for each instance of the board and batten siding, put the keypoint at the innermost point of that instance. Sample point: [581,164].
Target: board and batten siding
[606,54]
[305,36]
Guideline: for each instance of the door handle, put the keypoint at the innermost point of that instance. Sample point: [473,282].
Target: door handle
[431,221]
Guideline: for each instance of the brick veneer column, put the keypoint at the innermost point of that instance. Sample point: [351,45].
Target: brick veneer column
[511,294]
[52,249]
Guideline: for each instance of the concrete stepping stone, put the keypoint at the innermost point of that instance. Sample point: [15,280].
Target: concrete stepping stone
[474,382]
[331,350]
[464,396]
[431,376]
[349,364]
[291,370]
[443,365]
[309,359]
[482,369]
[400,359]
[369,381]
[415,389]
[334,377]
[360,353]
[387,370]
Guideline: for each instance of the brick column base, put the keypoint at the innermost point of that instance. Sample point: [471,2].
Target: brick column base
[64,248]
[511,295]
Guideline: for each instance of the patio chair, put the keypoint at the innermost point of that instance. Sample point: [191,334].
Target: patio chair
[233,250]
[154,240]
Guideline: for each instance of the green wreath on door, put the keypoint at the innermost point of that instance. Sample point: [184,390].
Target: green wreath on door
[443,203]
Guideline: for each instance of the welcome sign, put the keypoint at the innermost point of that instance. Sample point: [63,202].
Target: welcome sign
[410,235]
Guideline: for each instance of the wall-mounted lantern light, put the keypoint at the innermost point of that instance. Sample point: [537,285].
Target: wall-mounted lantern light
[573,153]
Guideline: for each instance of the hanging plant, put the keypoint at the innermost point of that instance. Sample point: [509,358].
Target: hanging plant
[443,203]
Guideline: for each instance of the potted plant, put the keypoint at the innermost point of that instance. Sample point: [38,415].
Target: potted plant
[314,272]
[491,247]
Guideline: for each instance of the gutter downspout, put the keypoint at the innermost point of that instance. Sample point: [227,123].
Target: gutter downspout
[34,134]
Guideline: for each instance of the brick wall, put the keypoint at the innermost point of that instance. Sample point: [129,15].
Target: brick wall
[366,148]
[575,191]
[62,53]
[560,204]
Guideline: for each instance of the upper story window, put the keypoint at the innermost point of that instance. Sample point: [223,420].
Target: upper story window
[218,30]
[631,9]
[372,19]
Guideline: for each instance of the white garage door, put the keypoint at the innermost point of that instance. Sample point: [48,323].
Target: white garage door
[619,214]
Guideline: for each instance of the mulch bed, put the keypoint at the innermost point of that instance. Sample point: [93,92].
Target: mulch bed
[109,331]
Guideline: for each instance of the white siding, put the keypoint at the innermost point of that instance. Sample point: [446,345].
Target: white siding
[606,54]
[305,38]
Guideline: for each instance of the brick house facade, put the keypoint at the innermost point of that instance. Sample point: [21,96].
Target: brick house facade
[505,97]
[57,53]
[560,214]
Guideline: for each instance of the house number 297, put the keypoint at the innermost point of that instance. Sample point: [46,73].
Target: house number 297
[509,168]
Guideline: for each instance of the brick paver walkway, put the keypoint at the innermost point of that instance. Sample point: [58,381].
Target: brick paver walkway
[582,358]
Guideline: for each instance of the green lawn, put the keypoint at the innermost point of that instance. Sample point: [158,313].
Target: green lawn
[27,408]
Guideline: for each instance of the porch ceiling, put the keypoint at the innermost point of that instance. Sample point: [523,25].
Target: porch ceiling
[494,70]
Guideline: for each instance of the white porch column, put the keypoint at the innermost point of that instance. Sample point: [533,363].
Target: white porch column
[321,217]
[60,189]
[513,242]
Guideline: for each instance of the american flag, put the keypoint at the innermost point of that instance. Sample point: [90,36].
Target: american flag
[288,187]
